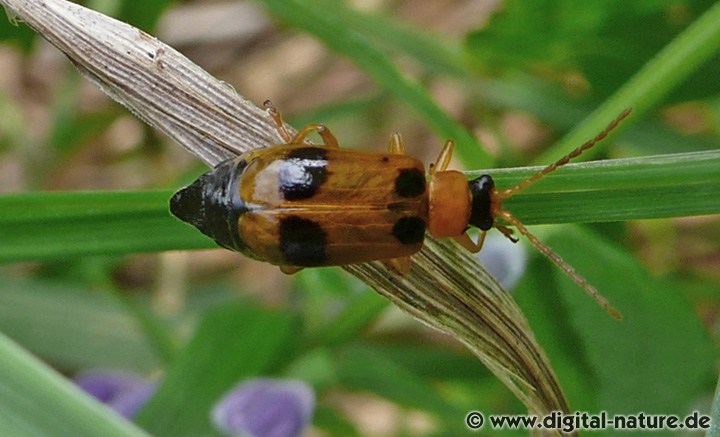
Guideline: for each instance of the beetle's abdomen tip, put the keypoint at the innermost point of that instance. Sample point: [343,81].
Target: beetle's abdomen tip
[187,203]
[204,204]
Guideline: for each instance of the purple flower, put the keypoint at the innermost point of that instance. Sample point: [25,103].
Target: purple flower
[125,393]
[265,408]
[503,259]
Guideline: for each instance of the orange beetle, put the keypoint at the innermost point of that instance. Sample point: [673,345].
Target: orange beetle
[297,205]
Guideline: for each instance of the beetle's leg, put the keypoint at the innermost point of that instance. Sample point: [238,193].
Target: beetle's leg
[277,118]
[396,144]
[329,139]
[290,270]
[468,243]
[401,265]
[443,160]
[507,232]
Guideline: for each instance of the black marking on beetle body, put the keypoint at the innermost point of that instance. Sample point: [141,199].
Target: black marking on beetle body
[481,214]
[303,172]
[409,230]
[309,153]
[213,205]
[410,182]
[302,242]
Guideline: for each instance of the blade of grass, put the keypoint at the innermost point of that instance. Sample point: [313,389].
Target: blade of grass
[619,190]
[514,92]
[605,364]
[433,51]
[233,342]
[356,316]
[36,400]
[320,21]
[73,329]
[49,226]
[357,369]
[323,289]
[688,51]
[654,313]
[44,226]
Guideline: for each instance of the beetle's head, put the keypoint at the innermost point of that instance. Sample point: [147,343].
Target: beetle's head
[209,203]
[481,215]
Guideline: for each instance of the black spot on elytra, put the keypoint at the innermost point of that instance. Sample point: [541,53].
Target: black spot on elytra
[303,172]
[385,159]
[410,182]
[409,230]
[302,242]
[309,153]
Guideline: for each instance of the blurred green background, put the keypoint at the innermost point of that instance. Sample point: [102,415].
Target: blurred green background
[516,75]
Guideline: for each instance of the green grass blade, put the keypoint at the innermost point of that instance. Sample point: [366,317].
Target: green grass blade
[360,308]
[357,368]
[356,316]
[515,92]
[46,226]
[35,400]
[72,329]
[654,313]
[319,21]
[688,51]
[434,51]
[619,190]
[232,343]
[603,362]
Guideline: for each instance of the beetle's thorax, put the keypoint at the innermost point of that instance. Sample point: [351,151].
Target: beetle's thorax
[449,204]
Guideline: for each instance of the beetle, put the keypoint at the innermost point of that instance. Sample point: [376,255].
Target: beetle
[299,205]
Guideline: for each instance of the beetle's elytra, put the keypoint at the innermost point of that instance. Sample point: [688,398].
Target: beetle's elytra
[298,205]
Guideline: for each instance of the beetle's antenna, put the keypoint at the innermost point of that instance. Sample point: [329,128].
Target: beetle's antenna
[554,257]
[565,159]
